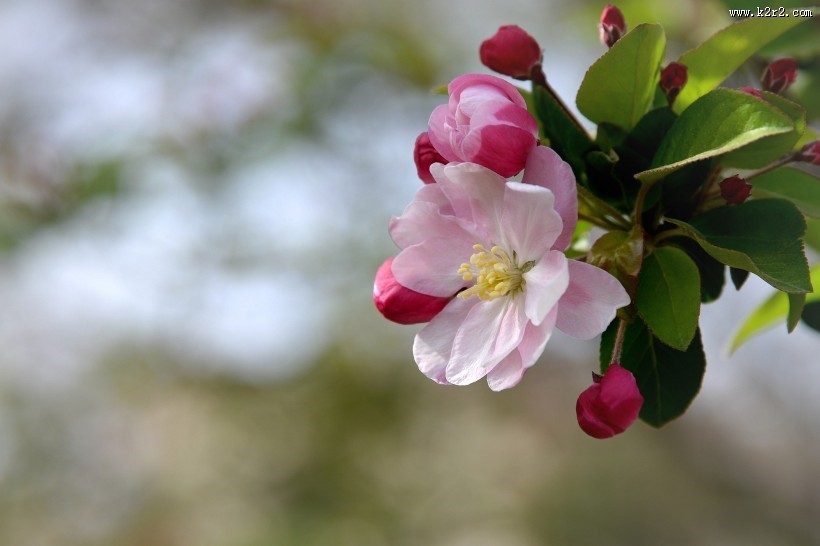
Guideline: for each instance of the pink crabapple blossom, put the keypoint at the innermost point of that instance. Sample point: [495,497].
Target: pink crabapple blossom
[498,246]
[612,25]
[400,304]
[486,122]
[511,51]
[424,155]
[810,153]
[673,78]
[779,75]
[610,405]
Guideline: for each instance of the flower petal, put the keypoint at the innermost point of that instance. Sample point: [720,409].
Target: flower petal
[431,267]
[434,343]
[491,331]
[590,301]
[476,195]
[424,220]
[529,223]
[546,284]
[439,134]
[507,374]
[545,168]
[536,338]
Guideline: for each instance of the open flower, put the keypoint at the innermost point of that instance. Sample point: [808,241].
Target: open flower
[485,121]
[611,404]
[499,246]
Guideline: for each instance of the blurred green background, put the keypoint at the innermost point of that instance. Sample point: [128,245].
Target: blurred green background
[194,198]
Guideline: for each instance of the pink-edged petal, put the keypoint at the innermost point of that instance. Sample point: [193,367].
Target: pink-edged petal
[491,331]
[590,301]
[545,284]
[536,338]
[423,220]
[467,80]
[545,168]
[437,129]
[507,373]
[476,195]
[431,267]
[502,148]
[434,343]
[529,222]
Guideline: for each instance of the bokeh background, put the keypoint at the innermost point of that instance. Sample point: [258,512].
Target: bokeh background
[194,198]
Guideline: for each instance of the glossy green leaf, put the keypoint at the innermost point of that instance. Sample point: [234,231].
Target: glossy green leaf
[668,297]
[774,311]
[738,276]
[762,152]
[620,86]
[719,122]
[799,187]
[668,379]
[762,236]
[796,304]
[720,55]
[566,137]
[811,316]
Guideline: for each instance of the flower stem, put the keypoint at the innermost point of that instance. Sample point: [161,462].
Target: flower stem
[539,78]
[774,164]
[608,213]
[676,232]
[619,343]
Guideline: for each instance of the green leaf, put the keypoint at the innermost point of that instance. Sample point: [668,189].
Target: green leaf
[668,379]
[799,187]
[719,122]
[811,315]
[668,297]
[620,86]
[762,152]
[566,137]
[812,237]
[796,304]
[762,236]
[720,55]
[712,272]
[773,311]
[738,276]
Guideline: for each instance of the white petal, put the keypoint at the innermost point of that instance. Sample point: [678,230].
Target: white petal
[589,303]
[477,197]
[545,284]
[507,374]
[490,332]
[529,222]
[431,267]
[434,343]
[536,338]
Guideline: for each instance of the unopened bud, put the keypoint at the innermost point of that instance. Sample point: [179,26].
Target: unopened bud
[673,78]
[425,154]
[810,153]
[512,52]
[400,304]
[612,25]
[752,91]
[611,404]
[779,75]
[735,190]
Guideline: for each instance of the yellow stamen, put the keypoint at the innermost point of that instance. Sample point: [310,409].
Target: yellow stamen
[494,272]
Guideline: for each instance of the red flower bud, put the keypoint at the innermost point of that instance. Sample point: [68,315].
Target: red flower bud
[673,78]
[611,404]
[425,154]
[810,153]
[612,25]
[752,91]
[400,304]
[512,52]
[779,75]
[735,190]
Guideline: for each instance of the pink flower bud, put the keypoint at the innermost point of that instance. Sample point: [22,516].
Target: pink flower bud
[810,153]
[511,52]
[400,304]
[673,78]
[611,404]
[752,91]
[425,155]
[612,25]
[779,75]
[485,122]
[735,190]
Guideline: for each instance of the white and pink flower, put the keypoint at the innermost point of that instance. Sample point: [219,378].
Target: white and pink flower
[486,122]
[499,246]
